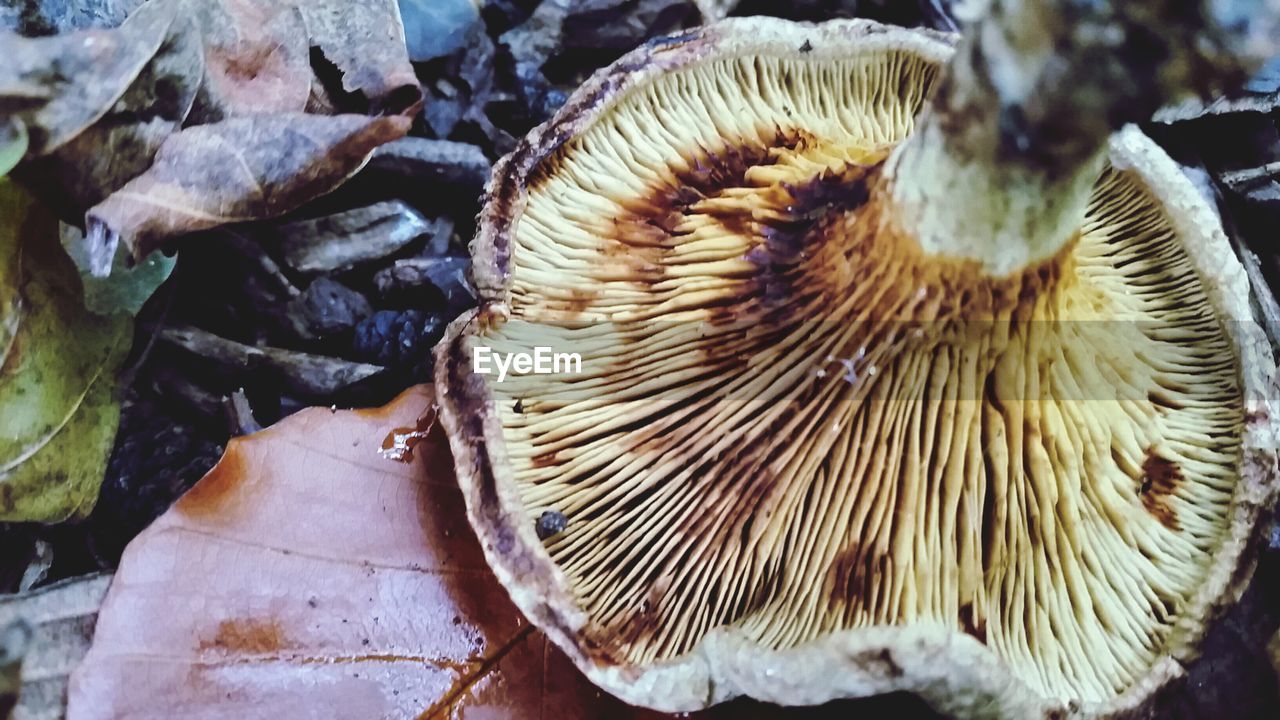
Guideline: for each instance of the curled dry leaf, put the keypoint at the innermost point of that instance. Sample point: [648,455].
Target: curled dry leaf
[365,41]
[121,143]
[98,106]
[258,55]
[307,575]
[60,618]
[59,86]
[58,406]
[232,171]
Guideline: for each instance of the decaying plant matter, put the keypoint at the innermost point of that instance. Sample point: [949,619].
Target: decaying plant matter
[962,398]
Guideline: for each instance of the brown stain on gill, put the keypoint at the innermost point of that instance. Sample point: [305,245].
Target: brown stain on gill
[854,578]
[1160,478]
[639,239]
[546,459]
[835,238]
[815,243]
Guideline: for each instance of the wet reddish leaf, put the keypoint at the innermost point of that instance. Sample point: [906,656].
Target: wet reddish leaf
[232,171]
[309,576]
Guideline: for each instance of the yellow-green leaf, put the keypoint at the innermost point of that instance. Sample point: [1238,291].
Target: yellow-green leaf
[58,361]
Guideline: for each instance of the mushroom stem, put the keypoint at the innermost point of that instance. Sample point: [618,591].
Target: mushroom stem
[1001,165]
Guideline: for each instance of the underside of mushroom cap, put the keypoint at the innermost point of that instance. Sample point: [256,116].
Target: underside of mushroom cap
[802,460]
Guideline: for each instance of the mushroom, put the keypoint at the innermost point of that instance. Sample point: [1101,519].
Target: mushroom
[832,437]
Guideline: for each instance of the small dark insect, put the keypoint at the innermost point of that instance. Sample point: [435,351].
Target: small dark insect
[806,47]
[551,523]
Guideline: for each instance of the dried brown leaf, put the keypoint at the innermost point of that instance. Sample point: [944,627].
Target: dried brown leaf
[256,59]
[99,105]
[121,144]
[59,86]
[365,40]
[233,171]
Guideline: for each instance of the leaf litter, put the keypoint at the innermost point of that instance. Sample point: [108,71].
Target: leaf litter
[205,105]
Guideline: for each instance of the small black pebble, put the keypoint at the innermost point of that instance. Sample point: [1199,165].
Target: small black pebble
[518,407]
[397,339]
[550,523]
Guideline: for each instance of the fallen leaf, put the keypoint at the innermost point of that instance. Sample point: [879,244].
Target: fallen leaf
[309,576]
[60,618]
[121,143]
[130,283]
[365,41]
[305,576]
[256,59]
[99,106]
[232,171]
[58,405]
[59,86]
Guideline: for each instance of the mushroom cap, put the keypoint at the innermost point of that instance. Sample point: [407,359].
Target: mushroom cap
[802,461]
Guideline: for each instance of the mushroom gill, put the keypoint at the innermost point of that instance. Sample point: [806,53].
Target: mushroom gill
[793,422]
